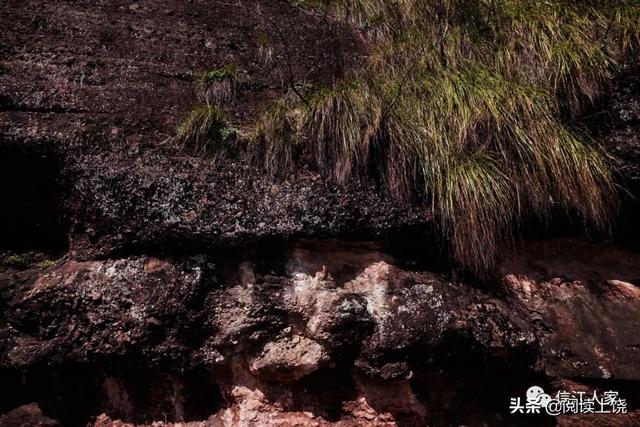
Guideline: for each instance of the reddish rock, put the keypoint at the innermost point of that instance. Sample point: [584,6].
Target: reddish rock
[27,416]
[289,359]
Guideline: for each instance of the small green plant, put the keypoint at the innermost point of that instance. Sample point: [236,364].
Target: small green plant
[227,72]
[217,86]
[265,49]
[47,263]
[205,130]
[17,261]
[27,260]
[277,134]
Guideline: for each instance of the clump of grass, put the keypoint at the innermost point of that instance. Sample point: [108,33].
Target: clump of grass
[217,86]
[27,260]
[205,130]
[463,106]
[19,262]
[569,46]
[277,134]
[265,49]
[486,151]
[342,123]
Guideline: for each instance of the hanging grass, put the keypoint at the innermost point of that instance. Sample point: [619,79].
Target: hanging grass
[277,134]
[342,123]
[217,86]
[464,106]
[204,130]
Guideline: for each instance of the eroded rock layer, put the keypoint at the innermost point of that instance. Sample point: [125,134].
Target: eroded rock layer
[322,332]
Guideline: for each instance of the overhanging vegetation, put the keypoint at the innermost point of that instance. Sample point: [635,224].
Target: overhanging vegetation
[465,105]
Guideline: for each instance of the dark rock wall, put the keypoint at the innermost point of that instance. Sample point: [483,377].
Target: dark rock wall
[190,337]
[623,142]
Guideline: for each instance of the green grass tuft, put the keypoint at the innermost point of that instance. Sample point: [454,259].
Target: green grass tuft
[205,130]
[27,260]
[277,134]
[217,86]
[342,123]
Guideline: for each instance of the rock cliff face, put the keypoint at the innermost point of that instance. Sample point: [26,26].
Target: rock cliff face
[316,332]
[141,285]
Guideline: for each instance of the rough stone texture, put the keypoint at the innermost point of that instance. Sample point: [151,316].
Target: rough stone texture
[149,201]
[624,140]
[27,416]
[99,88]
[253,409]
[570,306]
[119,304]
[385,327]
[133,64]
[288,359]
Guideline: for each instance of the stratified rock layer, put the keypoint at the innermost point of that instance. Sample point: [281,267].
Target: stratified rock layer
[383,335]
